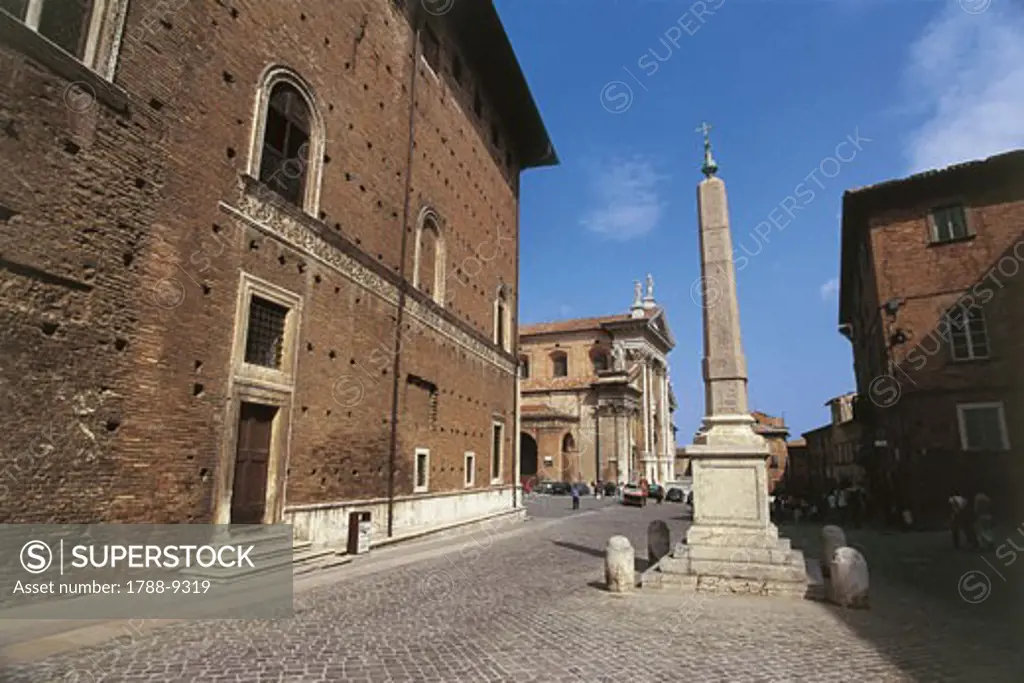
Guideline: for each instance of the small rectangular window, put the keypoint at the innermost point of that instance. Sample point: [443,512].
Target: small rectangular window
[982,427]
[968,338]
[949,223]
[431,48]
[470,469]
[560,366]
[264,340]
[497,438]
[422,473]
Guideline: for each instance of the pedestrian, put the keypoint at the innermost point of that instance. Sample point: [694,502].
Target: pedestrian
[575,497]
[831,511]
[960,522]
[841,504]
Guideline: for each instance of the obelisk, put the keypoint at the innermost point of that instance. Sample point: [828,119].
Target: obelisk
[732,544]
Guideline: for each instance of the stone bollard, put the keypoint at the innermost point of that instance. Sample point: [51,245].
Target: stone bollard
[657,541]
[848,584]
[619,565]
[832,537]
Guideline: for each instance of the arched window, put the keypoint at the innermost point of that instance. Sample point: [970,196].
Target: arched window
[599,358]
[524,367]
[559,364]
[428,256]
[288,145]
[568,444]
[502,319]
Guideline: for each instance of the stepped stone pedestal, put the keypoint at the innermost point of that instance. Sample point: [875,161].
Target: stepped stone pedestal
[732,546]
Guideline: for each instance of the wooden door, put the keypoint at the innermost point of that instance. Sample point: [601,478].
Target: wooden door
[249,493]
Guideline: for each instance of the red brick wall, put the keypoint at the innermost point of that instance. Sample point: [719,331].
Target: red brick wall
[918,410]
[145,330]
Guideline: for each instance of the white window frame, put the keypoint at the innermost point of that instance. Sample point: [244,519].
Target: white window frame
[103,36]
[968,330]
[416,488]
[504,312]
[273,76]
[500,454]
[962,408]
[440,254]
[469,463]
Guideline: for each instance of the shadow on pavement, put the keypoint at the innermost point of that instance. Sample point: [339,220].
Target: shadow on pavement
[638,563]
[933,609]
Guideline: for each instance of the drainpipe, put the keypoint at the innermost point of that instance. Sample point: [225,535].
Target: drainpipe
[515,352]
[402,285]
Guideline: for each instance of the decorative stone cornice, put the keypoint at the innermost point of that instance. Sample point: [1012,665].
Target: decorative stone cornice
[267,219]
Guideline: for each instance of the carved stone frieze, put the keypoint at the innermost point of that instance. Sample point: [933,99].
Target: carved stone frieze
[259,215]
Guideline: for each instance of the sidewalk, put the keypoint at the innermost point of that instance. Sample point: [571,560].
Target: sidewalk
[23,640]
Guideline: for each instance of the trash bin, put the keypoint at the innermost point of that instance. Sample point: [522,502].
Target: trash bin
[360,530]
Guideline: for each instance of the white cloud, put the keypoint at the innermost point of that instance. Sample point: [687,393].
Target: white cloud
[830,289]
[968,71]
[627,201]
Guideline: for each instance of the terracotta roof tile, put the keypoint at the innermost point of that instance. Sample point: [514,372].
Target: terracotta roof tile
[572,325]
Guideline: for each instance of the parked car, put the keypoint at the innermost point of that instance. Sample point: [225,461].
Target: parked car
[675,495]
[560,488]
[584,489]
[544,487]
[633,495]
[610,488]
[655,491]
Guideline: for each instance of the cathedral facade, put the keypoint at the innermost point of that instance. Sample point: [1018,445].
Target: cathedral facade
[596,399]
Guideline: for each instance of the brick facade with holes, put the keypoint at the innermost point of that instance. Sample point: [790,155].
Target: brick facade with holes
[129,221]
[913,367]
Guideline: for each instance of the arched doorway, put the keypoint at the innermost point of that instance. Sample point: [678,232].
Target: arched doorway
[527,457]
[568,459]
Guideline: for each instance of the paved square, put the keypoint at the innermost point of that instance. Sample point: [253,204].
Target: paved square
[521,604]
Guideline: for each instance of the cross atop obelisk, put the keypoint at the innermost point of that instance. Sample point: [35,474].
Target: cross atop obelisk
[709,168]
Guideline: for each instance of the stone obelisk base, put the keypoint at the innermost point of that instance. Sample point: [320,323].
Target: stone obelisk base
[732,546]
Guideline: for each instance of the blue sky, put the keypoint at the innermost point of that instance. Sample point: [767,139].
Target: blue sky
[920,84]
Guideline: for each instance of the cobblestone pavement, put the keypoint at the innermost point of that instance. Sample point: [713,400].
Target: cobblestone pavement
[526,608]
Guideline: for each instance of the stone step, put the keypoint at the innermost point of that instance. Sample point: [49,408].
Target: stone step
[748,570]
[273,560]
[775,556]
[734,537]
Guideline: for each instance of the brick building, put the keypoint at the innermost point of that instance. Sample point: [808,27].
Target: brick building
[775,433]
[260,262]
[597,400]
[930,298]
[800,478]
[833,450]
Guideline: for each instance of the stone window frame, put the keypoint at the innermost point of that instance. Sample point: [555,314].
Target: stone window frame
[272,76]
[103,37]
[524,366]
[970,327]
[555,356]
[502,313]
[250,286]
[416,487]
[429,215]
[962,408]
[499,457]
[469,465]
[596,352]
[255,384]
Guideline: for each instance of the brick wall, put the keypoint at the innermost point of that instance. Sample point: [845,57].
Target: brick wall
[917,407]
[119,308]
